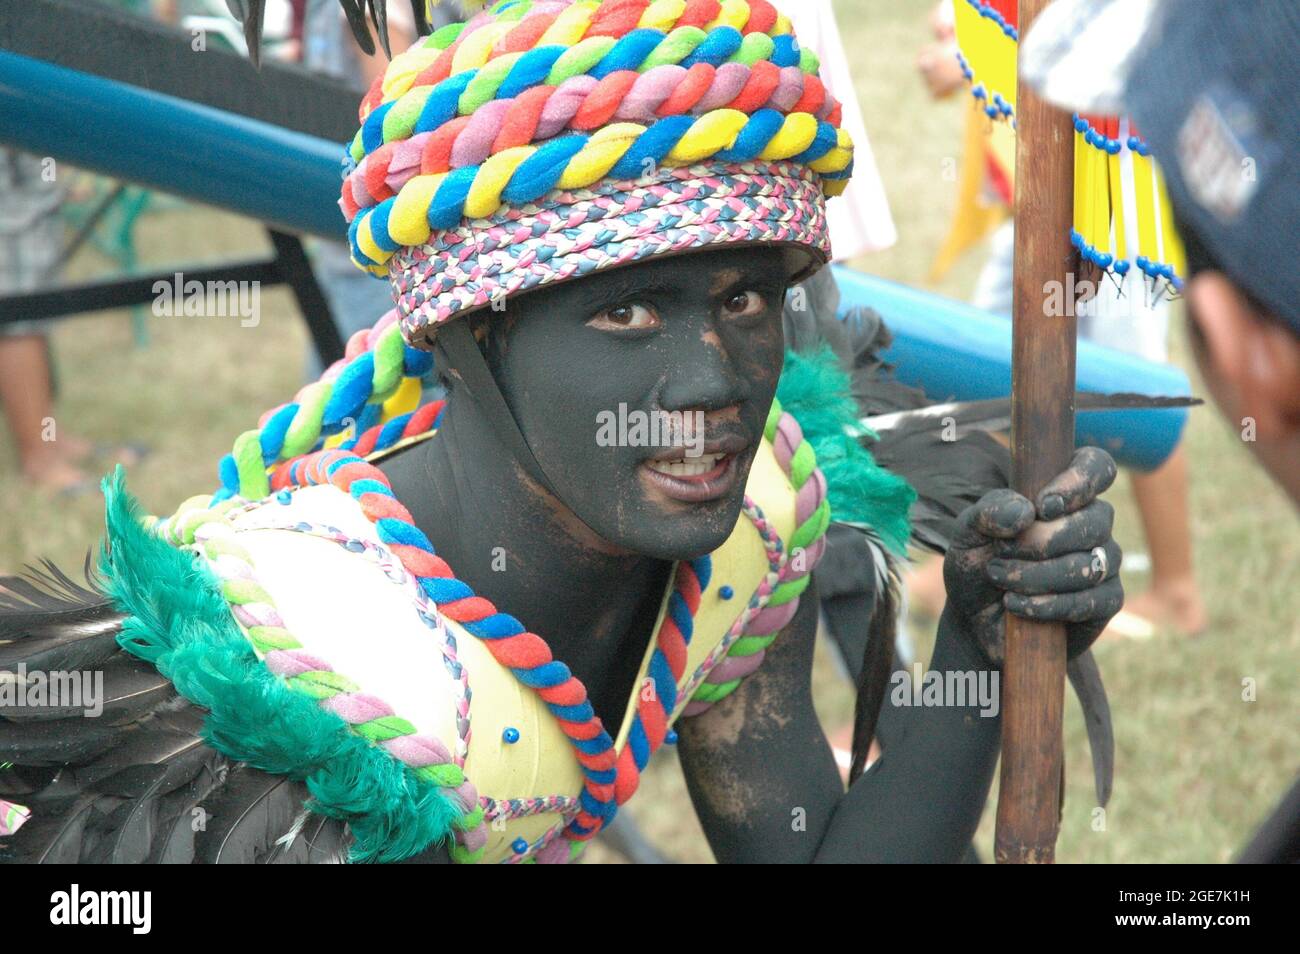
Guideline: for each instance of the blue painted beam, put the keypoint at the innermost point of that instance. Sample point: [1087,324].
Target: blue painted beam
[281,177]
[958,352]
[292,181]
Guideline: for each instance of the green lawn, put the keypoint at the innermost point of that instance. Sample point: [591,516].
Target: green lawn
[1197,766]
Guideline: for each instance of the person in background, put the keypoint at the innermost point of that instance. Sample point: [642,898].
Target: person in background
[31,247]
[860,221]
[1122,316]
[32,191]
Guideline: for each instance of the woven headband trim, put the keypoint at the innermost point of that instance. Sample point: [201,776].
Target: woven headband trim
[573,234]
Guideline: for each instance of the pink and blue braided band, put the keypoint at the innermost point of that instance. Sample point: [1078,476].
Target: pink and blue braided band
[570,234]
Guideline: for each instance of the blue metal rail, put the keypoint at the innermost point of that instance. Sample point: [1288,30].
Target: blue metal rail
[291,180]
[285,178]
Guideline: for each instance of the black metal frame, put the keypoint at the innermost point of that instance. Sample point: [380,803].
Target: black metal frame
[130,49]
[289,266]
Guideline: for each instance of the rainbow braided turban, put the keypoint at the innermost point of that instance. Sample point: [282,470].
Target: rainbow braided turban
[545,139]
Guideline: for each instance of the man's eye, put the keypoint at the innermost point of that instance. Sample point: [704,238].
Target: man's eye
[626,316]
[745,304]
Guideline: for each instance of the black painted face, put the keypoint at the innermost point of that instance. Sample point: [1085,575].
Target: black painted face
[643,391]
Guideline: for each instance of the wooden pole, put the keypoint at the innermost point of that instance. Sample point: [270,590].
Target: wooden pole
[1042,441]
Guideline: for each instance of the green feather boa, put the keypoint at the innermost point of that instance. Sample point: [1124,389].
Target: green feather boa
[179,622]
[816,391]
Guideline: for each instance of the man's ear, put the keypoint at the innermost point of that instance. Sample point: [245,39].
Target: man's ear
[1255,358]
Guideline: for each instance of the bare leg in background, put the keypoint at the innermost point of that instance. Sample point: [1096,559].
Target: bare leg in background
[26,396]
[1173,598]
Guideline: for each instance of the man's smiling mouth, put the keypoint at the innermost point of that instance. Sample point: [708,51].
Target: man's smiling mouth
[690,484]
[688,467]
[707,476]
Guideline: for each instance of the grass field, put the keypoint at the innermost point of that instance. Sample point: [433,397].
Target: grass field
[1197,765]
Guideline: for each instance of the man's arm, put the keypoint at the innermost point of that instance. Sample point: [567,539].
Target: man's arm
[759,769]
[764,782]
[758,758]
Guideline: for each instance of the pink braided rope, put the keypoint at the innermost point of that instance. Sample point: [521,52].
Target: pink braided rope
[743,623]
[354,708]
[550,849]
[527,807]
[288,663]
[542,850]
[427,611]
[760,619]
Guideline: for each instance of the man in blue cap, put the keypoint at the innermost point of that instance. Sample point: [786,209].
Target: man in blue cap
[1213,87]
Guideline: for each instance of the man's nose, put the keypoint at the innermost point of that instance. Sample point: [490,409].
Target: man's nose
[701,376]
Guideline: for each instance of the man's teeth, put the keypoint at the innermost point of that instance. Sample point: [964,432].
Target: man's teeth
[687,466]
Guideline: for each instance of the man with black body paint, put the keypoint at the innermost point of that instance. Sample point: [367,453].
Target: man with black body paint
[587,563]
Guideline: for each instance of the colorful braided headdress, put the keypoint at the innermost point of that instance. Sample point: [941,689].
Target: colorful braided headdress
[546,139]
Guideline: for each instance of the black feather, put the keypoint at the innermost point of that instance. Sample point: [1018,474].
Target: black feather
[45,601]
[127,834]
[947,477]
[994,414]
[124,833]
[49,622]
[246,817]
[379,14]
[123,690]
[48,587]
[254,12]
[168,739]
[180,813]
[65,652]
[1085,677]
[61,742]
[877,667]
[352,9]
[421,21]
[51,836]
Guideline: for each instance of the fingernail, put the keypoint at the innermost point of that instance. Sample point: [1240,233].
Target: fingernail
[996,571]
[1053,506]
